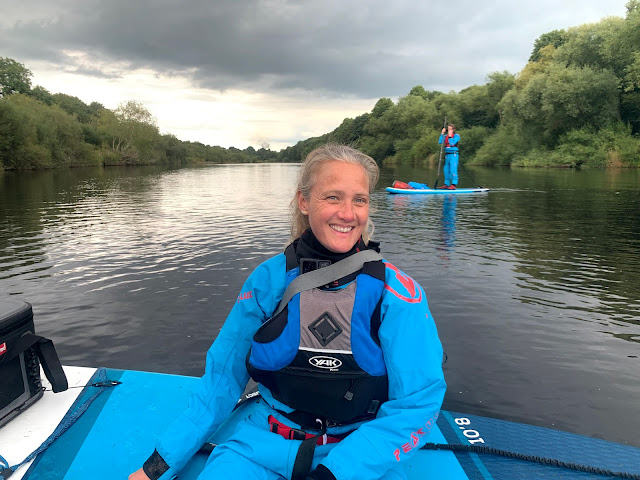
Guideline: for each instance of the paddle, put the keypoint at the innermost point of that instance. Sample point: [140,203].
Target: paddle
[473,180]
[440,161]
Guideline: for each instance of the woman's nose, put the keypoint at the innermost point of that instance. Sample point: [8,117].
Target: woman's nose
[346,211]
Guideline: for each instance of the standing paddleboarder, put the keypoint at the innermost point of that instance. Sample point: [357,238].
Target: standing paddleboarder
[450,140]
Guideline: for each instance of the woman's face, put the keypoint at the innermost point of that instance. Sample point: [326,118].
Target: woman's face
[338,205]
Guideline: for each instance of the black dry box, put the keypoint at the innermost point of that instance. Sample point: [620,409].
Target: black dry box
[21,353]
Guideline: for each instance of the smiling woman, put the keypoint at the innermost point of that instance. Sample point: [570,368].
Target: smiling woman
[332,358]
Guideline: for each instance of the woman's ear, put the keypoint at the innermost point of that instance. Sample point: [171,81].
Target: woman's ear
[303,204]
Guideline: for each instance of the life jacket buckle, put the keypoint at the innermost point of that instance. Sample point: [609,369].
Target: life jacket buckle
[295,434]
[323,430]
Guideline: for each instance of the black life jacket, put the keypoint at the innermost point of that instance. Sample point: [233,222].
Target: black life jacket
[321,354]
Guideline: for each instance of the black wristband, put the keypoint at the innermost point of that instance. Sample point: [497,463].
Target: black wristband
[155,466]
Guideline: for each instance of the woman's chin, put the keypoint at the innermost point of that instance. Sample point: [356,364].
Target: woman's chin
[340,249]
[340,243]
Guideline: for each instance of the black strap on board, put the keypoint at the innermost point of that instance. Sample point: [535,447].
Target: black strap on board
[48,358]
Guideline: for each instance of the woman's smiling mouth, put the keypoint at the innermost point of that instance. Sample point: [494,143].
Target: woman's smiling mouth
[340,229]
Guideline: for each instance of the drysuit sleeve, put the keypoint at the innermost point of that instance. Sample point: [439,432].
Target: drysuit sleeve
[225,373]
[453,141]
[413,358]
[441,139]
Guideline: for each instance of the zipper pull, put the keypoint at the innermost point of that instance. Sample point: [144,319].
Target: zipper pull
[349,394]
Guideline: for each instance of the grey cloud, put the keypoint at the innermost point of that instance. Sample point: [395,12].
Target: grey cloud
[94,72]
[365,48]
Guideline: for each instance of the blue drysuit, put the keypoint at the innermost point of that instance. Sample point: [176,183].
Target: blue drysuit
[450,158]
[376,449]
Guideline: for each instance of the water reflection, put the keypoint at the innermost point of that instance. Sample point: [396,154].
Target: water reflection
[447,227]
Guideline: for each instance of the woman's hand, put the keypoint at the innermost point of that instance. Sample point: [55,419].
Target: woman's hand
[139,475]
[444,130]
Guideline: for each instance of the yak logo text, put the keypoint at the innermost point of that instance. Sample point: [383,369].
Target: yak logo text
[328,363]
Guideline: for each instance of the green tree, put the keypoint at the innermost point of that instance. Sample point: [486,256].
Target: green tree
[41,136]
[266,155]
[449,105]
[471,140]
[12,134]
[426,94]
[381,106]
[545,60]
[500,148]
[131,131]
[74,106]
[556,38]
[499,83]
[476,107]
[350,130]
[41,94]
[630,95]
[612,145]
[420,92]
[133,111]
[14,77]
[561,100]
[399,129]
[378,147]
[597,45]
[175,151]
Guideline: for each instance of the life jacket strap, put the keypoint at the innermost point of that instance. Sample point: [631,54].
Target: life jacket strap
[295,434]
[310,422]
[326,275]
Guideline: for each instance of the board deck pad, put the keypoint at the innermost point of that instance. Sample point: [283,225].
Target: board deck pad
[116,434]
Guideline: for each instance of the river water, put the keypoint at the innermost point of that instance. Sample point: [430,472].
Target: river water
[535,286]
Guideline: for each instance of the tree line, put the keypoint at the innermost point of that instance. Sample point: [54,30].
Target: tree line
[39,130]
[575,103]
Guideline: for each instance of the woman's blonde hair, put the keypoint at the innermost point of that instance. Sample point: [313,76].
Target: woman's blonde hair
[308,175]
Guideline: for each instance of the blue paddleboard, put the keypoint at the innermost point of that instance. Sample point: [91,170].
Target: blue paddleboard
[431,191]
[115,435]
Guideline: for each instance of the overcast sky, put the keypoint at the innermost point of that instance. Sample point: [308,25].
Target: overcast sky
[245,72]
